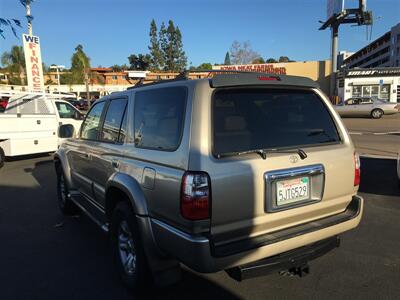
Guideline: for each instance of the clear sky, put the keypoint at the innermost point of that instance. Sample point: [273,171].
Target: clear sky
[111,30]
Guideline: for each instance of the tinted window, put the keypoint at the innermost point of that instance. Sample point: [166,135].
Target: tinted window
[90,126]
[159,116]
[65,110]
[251,119]
[113,120]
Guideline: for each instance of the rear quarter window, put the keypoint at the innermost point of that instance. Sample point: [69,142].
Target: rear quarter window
[159,118]
[246,119]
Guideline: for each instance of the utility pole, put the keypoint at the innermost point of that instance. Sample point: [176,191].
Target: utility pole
[359,16]
[28,16]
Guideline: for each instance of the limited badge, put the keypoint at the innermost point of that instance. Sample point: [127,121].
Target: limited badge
[293,159]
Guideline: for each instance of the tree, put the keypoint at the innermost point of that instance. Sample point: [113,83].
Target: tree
[242,53]
[157,59]
[181,59]
[203,66]
[119,68]
[139,62]
[284,59]
[171,45]
[80,65]
[271,60]
[258,60]
[14,61]
[227,60]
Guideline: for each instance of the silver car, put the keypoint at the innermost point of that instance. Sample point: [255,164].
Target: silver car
[365,106]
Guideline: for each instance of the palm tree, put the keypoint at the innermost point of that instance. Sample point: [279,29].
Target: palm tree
[14,61]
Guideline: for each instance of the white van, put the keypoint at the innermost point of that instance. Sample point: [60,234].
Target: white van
[29,123]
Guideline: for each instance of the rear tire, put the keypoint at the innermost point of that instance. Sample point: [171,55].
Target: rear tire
[127,247]
[377,113]
[65,203]
[2,157]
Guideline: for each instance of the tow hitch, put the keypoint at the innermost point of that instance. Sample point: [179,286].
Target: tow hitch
[291,263]
[300,271]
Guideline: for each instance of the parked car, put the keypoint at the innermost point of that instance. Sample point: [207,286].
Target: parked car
[30,124]
[80,104]
[364,107]
[247,172]
[3,103]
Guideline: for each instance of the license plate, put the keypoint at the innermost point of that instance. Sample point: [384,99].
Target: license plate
[292,190]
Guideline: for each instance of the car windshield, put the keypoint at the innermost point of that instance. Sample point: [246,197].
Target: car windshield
[247,119]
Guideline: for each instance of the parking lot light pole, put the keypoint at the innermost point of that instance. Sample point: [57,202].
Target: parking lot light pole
[58,68]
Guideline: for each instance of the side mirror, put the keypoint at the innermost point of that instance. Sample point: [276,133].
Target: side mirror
[66,131]
[78,115]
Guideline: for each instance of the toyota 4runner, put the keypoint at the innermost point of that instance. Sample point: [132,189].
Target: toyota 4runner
[245,172]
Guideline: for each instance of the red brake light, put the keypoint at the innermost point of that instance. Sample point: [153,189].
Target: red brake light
[195,196]
[357,170]
[267,78]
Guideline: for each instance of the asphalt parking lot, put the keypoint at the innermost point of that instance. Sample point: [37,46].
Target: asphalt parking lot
[47,256]
[375,137]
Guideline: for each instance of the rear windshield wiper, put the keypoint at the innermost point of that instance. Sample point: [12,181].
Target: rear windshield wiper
[263,153]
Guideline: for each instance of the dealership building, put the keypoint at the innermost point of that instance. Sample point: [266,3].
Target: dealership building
[383,83]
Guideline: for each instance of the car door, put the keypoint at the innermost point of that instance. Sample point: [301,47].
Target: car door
[69,115]
[366,106]
[106,156]
[354,107]
[84,148]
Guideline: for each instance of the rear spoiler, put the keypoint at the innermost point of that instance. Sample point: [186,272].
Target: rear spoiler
[259,79]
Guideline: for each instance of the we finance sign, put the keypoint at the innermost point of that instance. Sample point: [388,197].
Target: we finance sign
[33,61]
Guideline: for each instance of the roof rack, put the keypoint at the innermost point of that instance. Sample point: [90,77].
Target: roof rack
[249,78]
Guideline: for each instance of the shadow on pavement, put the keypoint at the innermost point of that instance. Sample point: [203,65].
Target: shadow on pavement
[30,156]
[48,256]
[379,176]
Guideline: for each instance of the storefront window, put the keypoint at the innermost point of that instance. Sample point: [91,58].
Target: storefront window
[384,94]
[374,91]
[356,91]
[366,90]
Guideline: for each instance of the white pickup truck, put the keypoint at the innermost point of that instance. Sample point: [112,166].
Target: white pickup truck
[29,123]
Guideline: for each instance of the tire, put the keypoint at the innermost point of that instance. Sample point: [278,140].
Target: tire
[2,158]
[128,252]
[65,203]
[377,113]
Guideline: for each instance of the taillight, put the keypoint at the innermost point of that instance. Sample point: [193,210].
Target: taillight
[357,171]
[268,78]
[195,196]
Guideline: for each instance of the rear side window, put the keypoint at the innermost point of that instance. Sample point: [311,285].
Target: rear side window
[159,116]
[65,110]
[113,121]
[90,126]
[252,119]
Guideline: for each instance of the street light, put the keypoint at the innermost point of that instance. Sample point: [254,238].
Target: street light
[58,75]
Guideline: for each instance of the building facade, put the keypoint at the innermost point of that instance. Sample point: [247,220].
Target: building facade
[383,83]
[383,52]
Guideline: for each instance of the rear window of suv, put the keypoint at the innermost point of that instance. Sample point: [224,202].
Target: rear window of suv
[248,119]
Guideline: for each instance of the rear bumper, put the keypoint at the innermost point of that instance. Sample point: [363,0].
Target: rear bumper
[202,255]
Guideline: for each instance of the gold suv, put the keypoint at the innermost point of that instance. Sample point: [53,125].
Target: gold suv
[245,172]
